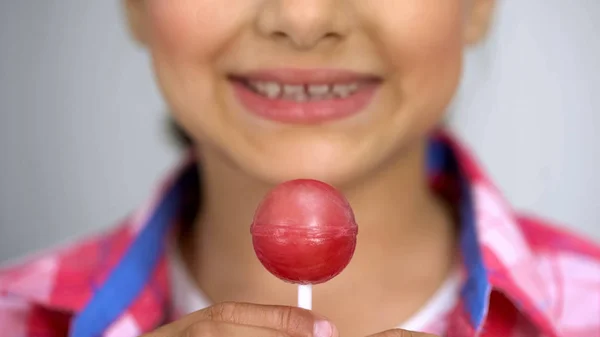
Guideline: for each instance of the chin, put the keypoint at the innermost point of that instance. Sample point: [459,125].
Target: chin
[331,163]
[336,174]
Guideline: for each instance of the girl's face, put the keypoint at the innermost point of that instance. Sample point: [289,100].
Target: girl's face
[325,89]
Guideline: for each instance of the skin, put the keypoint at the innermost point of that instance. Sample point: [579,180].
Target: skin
[244,319]
[376,157]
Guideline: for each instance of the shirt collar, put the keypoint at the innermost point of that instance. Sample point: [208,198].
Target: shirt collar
[496,256]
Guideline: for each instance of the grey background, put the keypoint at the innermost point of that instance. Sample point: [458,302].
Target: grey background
[82,138]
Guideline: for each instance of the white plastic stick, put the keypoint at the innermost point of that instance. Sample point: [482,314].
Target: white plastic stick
[305,296]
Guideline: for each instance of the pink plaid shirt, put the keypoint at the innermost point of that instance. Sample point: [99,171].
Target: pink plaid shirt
[522,276]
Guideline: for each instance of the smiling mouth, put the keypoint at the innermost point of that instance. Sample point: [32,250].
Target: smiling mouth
[304,92]
[304,96]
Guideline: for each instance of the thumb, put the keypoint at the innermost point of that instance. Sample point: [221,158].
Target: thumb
[324,327]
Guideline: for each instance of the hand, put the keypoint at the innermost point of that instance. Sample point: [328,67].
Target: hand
[401,333]
[248,320]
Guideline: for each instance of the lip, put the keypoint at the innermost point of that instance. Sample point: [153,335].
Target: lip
[310,112]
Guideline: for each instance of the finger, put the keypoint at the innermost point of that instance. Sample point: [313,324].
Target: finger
[222,329]
[401,333]
[293,321]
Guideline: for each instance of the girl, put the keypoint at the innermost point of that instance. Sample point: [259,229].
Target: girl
[350,92]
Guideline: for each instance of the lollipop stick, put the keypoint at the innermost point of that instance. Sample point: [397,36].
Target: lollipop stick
[305,296]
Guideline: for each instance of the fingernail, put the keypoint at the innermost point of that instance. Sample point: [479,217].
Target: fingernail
[322,329]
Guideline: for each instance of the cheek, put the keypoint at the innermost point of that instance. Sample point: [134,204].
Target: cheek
[189,29]
[186,38]
[420,31]
[422,41]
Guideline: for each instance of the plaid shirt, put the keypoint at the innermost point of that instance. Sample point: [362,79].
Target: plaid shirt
[522,277]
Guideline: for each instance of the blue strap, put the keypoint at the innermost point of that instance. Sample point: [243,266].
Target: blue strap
[475,291]
[130,276]
[437,158]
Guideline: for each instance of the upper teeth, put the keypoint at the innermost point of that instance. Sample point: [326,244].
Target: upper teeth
[304,92]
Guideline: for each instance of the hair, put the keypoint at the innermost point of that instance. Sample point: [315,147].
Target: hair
[177,134]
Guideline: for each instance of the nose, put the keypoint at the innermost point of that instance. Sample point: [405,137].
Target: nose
[303,24]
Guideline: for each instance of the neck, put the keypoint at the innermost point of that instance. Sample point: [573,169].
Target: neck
[401,223]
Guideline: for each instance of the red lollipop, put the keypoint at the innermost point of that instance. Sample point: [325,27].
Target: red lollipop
[304,232]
